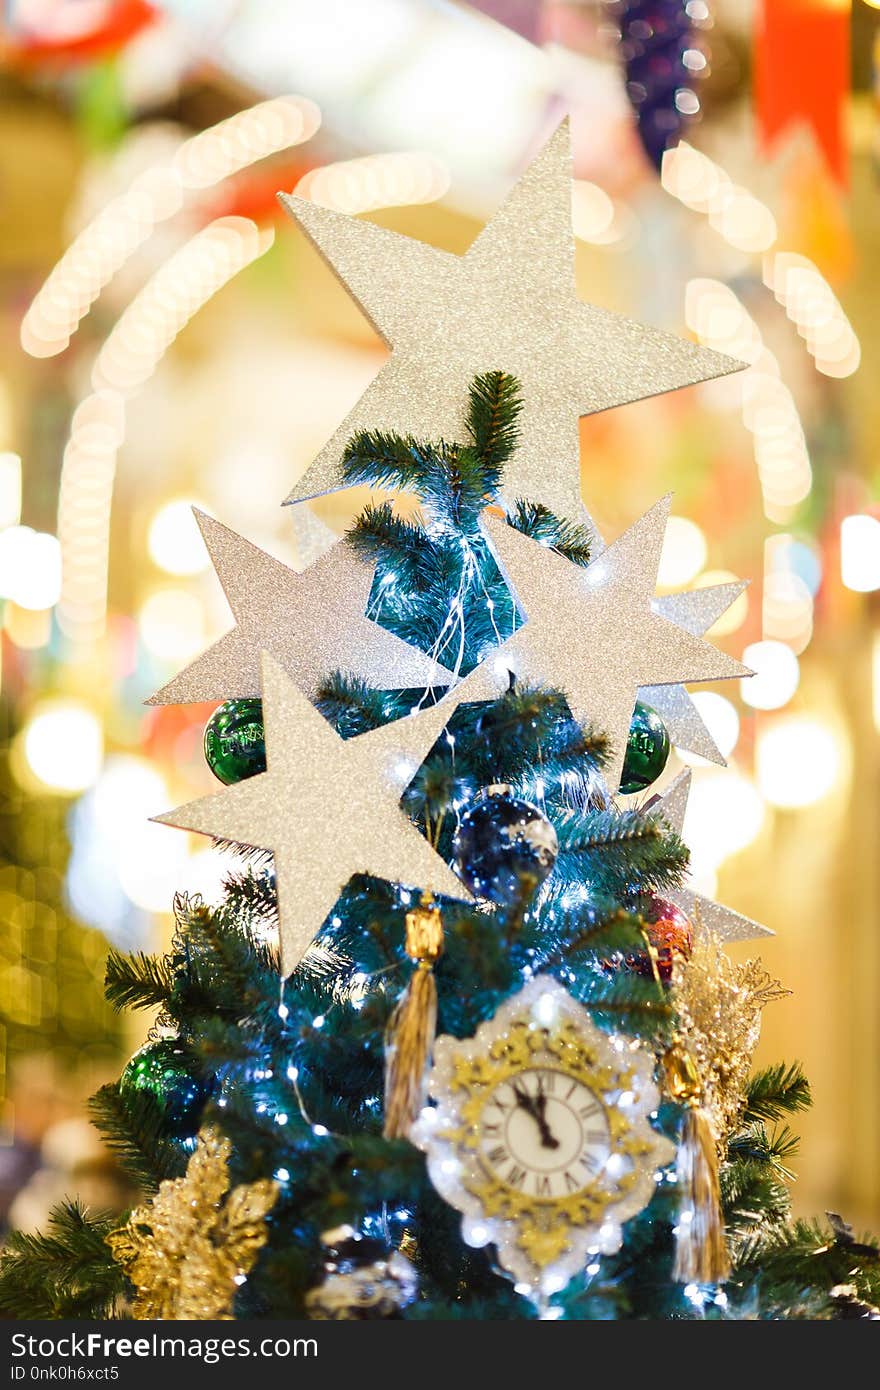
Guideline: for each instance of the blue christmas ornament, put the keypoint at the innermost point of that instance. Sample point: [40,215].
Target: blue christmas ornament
[504,847]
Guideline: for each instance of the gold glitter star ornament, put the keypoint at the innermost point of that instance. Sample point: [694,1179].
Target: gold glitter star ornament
[311,621]
[540,1135]
[187,1250]
[327,808]
[509,304]
[594,633]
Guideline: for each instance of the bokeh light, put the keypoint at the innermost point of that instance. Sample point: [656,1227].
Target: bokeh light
[683,555]
[172,625]
[63,745]
[777,675]
[10,489]
[725,814]
[797,760]
[860,553]
[175,541]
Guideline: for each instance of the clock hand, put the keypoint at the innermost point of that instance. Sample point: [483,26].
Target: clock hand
[535,1106]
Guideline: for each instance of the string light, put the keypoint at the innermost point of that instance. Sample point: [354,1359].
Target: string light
[721,321]
[111,238]
[376,181]
[130,354]
[597,218]
[815,310]
[702,185]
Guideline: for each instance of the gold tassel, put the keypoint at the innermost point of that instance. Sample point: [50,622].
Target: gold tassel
[411,1028]
[700,1247]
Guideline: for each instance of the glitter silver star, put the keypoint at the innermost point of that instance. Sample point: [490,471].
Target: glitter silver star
[726,924]
[695,611]
[327,808]
[312,623]
[593,632]
[508,304]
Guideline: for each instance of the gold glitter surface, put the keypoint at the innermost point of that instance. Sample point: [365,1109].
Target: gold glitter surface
[719,1004]
[311,622]
[327,808]
[721,921]
[184,1250]
[508,304]
[593,631]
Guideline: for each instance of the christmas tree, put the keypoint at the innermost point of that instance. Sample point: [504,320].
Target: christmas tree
[460,1041]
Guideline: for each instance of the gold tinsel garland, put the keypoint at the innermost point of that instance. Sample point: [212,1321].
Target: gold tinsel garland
[185,1250]
[719,1003]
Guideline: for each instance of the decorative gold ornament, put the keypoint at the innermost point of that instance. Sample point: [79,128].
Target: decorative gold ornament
[707,915]
[412,1027]
[719,1003]
[701,1255]
[509,304]
[186,1250]
[363,1279]
[540,1136]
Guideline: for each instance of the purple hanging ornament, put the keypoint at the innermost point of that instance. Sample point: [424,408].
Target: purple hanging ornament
[663,63]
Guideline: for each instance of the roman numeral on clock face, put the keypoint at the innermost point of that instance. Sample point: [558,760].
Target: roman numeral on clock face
[542,1185]
[571,1182]
[516,1177]
[497,1155]
[592,1107]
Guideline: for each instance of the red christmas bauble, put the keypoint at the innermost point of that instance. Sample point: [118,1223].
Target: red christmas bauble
[669,934]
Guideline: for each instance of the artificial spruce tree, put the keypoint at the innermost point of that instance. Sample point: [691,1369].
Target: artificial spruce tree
[258,1121]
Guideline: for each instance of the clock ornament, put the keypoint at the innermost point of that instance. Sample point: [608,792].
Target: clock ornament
[539,1134]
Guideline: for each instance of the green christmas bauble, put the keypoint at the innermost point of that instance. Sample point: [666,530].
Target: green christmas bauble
[647,749]
[235,745]
[162,1070]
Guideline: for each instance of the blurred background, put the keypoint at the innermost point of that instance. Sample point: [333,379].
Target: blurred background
[169,338]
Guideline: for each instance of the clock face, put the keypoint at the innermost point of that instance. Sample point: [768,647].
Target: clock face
[544,1133]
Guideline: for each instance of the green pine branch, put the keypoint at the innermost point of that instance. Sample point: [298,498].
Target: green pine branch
[67,1272]
[775,1091]
[133,1128]
[138,981]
